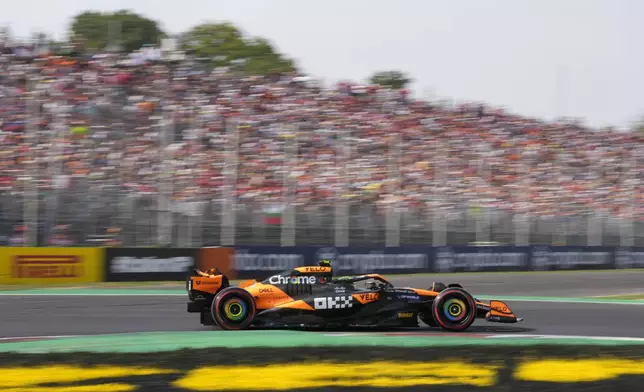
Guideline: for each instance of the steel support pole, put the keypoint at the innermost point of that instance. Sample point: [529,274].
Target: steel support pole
[228,221]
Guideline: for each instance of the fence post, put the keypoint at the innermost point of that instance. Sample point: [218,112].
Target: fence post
[392,210]
[595,230]
[201,209]
[439,229]
[341,219]
[627,223]
[483,223]
[521,230]
[165,191]
[439,220]
[31,188]
[626,232]
[228,221]
[290,186]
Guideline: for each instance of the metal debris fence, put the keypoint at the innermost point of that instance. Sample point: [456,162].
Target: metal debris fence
[89,212]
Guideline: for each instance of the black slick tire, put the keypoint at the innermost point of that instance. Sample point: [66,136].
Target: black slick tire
[233,308]
[454,309]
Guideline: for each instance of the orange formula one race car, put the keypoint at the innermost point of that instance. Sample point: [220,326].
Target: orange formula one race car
[310,297]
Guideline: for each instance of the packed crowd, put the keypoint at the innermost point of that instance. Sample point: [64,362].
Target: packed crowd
[103,121]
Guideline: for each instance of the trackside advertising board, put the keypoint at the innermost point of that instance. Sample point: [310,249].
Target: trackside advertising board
[625,257]
[263,261]
[60,265]
[149,264]
[545,258]
[50,266]
[480,258]
[514,258]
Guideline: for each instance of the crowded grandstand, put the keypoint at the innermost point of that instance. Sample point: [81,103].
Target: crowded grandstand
[112,144]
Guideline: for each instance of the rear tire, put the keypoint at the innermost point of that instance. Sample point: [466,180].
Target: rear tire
[233,309]
[454,309]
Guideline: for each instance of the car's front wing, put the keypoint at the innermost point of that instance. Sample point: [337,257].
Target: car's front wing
[496,311]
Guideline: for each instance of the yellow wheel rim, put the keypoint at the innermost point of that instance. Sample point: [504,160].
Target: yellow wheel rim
[235,309]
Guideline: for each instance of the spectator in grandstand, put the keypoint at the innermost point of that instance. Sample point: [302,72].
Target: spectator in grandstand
[93,126]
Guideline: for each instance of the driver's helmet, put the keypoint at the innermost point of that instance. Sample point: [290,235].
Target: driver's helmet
[211,272]
[324,263]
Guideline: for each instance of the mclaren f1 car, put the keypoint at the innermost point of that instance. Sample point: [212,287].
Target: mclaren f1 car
[310,297]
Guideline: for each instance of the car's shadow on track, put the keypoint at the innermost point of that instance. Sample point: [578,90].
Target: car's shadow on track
[423,330]
[426,330]
[495,329]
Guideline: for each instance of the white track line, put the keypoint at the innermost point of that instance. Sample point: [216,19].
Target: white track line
[39,337]
[23,339]
[608,338]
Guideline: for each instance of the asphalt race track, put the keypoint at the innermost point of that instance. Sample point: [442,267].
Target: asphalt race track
[24,316]
[550,284]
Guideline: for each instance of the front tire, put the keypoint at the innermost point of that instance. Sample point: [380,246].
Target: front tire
[233,309]
[454,309]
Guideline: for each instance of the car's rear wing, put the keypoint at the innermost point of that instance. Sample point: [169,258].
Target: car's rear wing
[205,282]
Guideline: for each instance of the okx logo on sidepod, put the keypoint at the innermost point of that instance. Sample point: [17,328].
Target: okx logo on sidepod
[339,302]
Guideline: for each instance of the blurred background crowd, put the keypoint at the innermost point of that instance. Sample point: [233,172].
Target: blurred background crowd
[121,147]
